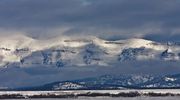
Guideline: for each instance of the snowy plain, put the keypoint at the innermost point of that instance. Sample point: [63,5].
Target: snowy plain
[76,92]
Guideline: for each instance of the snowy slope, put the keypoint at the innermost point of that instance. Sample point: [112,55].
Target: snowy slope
[121,81]
[24,51]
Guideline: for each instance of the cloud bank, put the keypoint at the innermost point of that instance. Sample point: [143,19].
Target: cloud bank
[110,19]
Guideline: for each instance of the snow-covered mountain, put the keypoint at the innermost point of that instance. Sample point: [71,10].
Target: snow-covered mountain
[24,51]
[25,61]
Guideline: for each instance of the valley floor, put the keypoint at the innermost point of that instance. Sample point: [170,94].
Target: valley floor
[109,98]
[96,94]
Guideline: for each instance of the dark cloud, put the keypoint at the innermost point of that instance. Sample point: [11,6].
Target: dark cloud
[162,37]
[104,18]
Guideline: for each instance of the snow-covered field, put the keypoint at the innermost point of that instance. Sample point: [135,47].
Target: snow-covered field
[109,98]
[173,91]
[96,94]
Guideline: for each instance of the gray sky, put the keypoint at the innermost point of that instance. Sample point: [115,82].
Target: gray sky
[110,19]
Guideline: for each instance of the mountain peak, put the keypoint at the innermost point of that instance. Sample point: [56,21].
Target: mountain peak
[77,50]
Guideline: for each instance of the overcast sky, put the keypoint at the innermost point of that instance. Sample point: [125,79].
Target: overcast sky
[111,19]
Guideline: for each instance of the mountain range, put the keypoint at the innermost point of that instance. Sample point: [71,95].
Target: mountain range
[122,81]
[22,52]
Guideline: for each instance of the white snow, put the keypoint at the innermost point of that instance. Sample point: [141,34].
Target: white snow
[67,85]
[141,91]
[108,51]
[169,79]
